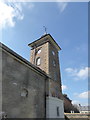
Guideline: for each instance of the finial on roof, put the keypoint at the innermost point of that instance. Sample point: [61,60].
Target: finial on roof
[45,30]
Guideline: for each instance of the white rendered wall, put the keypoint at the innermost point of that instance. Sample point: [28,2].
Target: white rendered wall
[51,107]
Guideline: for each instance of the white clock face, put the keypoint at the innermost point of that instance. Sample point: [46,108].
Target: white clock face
[39,51]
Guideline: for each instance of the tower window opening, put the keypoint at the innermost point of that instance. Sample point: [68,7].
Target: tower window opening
[38,61]
[53,52]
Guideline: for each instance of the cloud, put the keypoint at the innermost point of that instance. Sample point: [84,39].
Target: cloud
[82,103]
[84,95]
[10,11]
[75,102]
[64,87]
[71,70]
[62,5]
[78,74]
[83,73]
[31,6]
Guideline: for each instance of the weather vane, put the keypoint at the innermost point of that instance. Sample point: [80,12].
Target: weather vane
[45,29]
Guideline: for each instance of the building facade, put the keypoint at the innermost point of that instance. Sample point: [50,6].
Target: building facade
[84,109]
[32,89]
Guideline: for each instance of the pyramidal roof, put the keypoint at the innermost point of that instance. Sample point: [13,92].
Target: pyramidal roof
[43,39]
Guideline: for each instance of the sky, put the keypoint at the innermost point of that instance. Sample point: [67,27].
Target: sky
[67,22]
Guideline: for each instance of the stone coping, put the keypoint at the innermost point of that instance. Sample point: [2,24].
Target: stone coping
[23,60]
[54,98]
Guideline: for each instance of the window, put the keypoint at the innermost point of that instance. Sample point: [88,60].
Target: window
[57,111]
[54,63]
[38,61]
[39,50]
[53,52]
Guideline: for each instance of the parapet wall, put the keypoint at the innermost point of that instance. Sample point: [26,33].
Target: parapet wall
[77,116]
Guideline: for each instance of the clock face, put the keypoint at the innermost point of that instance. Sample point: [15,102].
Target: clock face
[39,51]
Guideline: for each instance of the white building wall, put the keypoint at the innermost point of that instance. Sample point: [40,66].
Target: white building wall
[51,107]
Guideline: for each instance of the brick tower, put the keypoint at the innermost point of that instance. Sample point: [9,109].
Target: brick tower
[44,54]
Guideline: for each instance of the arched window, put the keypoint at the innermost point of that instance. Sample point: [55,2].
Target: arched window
[38,61]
